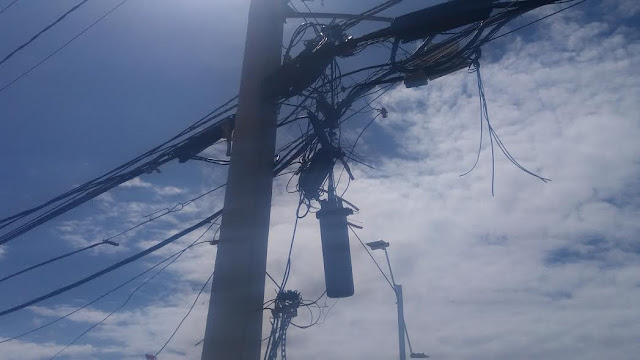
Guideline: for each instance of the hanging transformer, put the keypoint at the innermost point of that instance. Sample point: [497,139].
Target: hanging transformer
[336,253]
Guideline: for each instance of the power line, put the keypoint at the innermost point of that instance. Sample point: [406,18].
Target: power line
[134,291]
[161,155]
[176,208]
[101,296]
[115,175]
[47,28]
[493,136]
[537,20]
[113,178]
[63,46]
[104,242]
[112,267]
[287,270]
[8,6]
[186,315]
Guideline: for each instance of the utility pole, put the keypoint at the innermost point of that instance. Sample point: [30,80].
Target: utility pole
[403,352]
[234,321]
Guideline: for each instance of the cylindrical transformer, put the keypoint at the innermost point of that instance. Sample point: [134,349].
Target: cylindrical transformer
[334,234]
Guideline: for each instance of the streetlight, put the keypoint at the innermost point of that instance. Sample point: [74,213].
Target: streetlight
[402,327]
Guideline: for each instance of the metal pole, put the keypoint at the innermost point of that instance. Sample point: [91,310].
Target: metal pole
[403,354]
[386,254]
[400,305]
[234,321]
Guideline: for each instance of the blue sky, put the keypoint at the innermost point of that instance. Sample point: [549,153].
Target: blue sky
[538,271]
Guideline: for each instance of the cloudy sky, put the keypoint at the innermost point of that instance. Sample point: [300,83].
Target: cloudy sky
[537,271]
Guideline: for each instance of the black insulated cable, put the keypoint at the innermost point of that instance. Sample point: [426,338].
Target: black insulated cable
[112,267]
[105,242]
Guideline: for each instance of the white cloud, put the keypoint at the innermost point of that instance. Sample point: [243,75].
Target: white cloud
[169,191]
[130,333]
[136,183]
[19,350]
[621,8]
[159,190]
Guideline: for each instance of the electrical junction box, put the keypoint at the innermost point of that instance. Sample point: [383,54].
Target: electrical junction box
[336,253]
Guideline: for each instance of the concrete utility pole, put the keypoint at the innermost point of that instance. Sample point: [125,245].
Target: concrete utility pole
[234,322]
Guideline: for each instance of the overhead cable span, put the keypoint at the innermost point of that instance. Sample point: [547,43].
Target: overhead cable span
[112,267]
[196,139]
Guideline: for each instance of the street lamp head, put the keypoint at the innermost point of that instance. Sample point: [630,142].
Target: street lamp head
[419,356]
[377,245]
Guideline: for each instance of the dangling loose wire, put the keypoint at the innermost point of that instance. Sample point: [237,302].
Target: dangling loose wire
[493,136]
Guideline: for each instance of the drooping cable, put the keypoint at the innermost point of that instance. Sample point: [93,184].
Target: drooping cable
[8,6]
[353,148]
[155,216]
[537,20]
[186,315]
[308,305]
[287,270]
[112,267]
[166,211]
[159,155]
[175,258]
[60,257]
[101,296]
[47,28]
[493,136]
[25,73]
[121,263]
[285,308]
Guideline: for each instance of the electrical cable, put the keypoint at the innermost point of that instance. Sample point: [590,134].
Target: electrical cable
[25,73]
[287,269]
[326,315]
[115,266]
[307,305]
[47,28]
[273,280]
[103,295]
[113,178]
[186,315]
[535,21]
[493,136]
[166,211]
[371,256]
[176,208]
[8,6]
[177,256]
[216,113]
[104,242]
[112,267]
[98,186]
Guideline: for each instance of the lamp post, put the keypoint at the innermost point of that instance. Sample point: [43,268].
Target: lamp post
[402,327]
